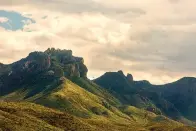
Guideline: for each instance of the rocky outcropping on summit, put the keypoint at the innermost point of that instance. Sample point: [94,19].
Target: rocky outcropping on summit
[129,77]
[71,65]
[53,63]
[34,63]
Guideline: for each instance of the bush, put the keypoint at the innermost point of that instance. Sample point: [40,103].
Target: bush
[105,113]
[96,110]
[106,105]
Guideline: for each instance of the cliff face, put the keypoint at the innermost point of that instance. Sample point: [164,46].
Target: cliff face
[53,63]
[71,65]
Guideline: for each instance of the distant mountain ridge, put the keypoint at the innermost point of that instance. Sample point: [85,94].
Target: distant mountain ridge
[176,100]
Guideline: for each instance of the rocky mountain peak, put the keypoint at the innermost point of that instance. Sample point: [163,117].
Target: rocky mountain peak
[52,64]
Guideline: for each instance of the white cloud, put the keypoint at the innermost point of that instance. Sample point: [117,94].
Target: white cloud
[3,19]
[153,40]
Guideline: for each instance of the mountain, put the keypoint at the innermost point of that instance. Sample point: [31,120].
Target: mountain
[182,94]
[175,100]
[41,66]
[50,91]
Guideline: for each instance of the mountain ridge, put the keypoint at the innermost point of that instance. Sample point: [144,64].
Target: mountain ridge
[56,79]
[157,95]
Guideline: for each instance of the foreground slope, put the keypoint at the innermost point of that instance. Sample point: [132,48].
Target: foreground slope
[28,116]
[17,116]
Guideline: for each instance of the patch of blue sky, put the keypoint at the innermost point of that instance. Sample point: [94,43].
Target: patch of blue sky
[15,22]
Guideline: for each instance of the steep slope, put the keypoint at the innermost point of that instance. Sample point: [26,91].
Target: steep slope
[96,90]
[128,91]
[76,100]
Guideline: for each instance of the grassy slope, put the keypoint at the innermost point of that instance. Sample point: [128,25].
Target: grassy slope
[76,100]
[28,116]
[92,109]
[95,89]
[17,116]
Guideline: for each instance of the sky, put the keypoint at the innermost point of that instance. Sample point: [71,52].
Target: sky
[151,39]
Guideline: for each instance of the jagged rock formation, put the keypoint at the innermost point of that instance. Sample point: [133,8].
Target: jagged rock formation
[72,66]
[53,63]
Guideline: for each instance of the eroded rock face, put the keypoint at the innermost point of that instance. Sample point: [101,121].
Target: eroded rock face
[51,64]
[83,70]
[35,62]
[71,65]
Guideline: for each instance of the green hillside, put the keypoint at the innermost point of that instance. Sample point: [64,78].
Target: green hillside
[17,116]
[27,116]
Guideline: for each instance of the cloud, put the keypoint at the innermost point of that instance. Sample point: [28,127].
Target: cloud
[174,1]
[3,19]
[12,2]
[153,40]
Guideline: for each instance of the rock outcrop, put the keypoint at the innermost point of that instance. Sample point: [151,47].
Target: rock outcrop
[129,77]
[71,66]
[52,64]
[36,62]
[121,72]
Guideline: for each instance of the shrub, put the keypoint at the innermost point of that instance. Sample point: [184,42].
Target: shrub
[106,105]
[96,110]
[105,113]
